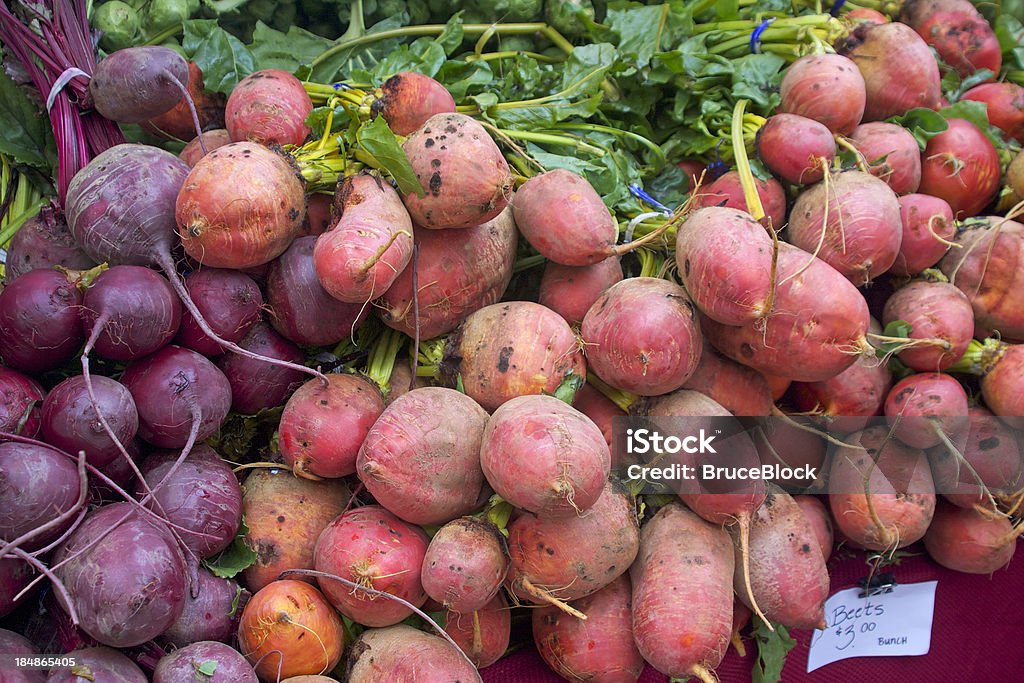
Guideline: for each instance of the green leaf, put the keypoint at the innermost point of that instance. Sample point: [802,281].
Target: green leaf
[223,59]
[207,668]
[377,139]
[26,134]
[772,648]
[424,55]
[236,558]
[360,57]
[272,49]
[898,328]
[757,78]
[976,113]
[636,30]
[923,124]
[586,66]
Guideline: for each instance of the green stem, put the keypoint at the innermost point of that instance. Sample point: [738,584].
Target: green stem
[598,128]
[381,361]
[437,29]
[528,262]
[980,357]
[551,139]
[622,399]
[508,54]
[170,32]
[18,220]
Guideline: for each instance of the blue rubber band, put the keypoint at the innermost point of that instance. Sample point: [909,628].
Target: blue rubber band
[642,195]
[341,86]
[836,6]
[755,36]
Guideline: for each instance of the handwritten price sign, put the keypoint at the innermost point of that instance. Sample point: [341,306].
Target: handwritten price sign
[888,625]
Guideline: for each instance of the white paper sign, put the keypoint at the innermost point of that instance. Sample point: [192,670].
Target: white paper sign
[892,624]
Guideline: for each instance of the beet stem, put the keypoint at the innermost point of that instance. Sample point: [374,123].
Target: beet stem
[191,107]
[46,572]
[744,522]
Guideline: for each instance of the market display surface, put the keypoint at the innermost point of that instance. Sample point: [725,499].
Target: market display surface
[528,340]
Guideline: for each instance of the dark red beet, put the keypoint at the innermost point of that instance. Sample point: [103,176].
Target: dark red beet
[136,309]
[181,665]
[129,586]
[300,308]
[256,385]
[201,494]
[15,574]
[100,664]
[173,389]
[70,421]
[40,326]
[20,403]
[231,303]
[319,217]
[120,207]
[12,643]
[212,615]
[37,485]
[44,241]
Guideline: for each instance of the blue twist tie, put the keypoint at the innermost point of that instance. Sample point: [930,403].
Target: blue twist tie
[341,86]
[836,6]
[755,36]
[642,195]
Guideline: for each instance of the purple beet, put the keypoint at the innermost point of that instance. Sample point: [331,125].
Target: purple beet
[70,420]
[229,300]
[302,310]
[40,326]
[131,311]
[125,575]
[12,643]
[15,574]
[98,664]
[256,385]
[44,241]
[224,664]
[177,391]
[20,400]
[213,614]
[201,494]
[37,486]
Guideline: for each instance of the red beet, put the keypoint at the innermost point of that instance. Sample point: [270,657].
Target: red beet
[71,421]
[891,154]
[256,385]
[797,149]
[962,166]
[827,88]
[20,400]
[927,230]
[727,191]
[899,70]
[1005,102]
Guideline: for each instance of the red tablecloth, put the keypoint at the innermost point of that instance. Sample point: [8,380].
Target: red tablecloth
[977,635]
